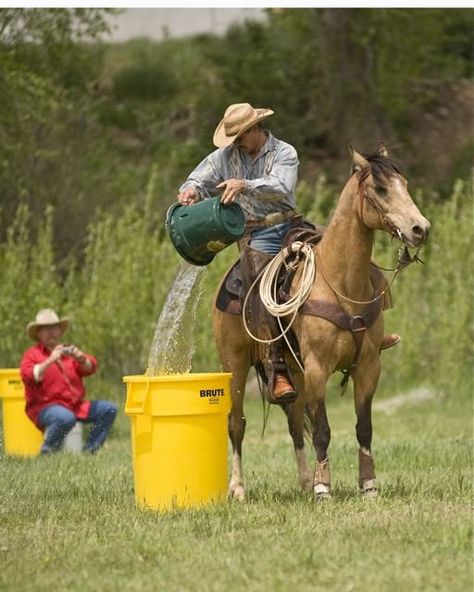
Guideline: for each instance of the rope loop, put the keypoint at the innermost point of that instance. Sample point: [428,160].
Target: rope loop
[269,290]
[269,281]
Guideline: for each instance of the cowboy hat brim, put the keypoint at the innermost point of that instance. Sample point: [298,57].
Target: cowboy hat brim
[32,328]
[221,139]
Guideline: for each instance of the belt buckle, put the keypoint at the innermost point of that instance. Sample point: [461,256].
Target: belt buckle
[274,218]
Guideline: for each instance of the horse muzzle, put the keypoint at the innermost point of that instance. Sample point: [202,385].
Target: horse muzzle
[419,233]
[416,235]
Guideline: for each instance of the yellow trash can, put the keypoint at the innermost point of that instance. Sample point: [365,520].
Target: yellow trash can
[20,435]
[179,438]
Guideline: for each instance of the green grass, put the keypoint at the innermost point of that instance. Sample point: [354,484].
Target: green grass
[69,522]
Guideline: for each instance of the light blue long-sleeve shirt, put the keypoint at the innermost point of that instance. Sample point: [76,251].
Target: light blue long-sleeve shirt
[271,177]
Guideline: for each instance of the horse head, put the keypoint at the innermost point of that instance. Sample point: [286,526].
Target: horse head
[384,200]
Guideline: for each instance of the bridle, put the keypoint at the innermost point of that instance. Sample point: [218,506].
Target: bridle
[404,257]
[364,196]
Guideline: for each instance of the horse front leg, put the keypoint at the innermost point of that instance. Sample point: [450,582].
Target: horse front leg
[316,387]
[365,384]
[295,415]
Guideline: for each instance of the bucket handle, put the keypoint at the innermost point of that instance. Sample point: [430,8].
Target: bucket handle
[138,410]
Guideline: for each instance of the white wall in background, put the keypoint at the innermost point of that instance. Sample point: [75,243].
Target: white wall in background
[158,23]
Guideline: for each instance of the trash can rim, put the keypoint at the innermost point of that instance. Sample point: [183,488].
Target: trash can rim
[175,377]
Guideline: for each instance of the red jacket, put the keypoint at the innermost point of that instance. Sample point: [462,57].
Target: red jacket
[62,383]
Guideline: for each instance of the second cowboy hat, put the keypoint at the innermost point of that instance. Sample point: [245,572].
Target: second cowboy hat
[45,316]
[237,119]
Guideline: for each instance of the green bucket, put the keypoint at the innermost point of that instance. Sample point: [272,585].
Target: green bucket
[199,231]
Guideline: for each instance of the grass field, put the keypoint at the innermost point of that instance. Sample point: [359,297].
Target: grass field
[69,522]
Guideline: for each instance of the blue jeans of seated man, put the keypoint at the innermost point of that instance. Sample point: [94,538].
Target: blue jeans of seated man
[58,421]
[269,238]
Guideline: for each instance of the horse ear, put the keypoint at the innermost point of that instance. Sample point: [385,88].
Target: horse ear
[358,161]
[382,150]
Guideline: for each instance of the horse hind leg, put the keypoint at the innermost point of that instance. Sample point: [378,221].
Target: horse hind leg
[234,354]
[237,423]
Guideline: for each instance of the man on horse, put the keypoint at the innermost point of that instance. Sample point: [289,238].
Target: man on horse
[259,172]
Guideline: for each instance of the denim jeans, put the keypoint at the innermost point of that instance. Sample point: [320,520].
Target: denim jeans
[59,421]
[269,238]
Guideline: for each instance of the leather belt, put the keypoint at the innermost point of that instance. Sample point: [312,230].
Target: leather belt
[271,219]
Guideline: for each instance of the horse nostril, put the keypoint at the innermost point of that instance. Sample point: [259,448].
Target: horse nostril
[421,232]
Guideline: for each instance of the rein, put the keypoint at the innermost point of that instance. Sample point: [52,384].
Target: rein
[397,269]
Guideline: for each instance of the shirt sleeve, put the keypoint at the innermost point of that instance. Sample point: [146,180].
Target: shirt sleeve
[84,371]
[281,177]
[27,364]
[206,176]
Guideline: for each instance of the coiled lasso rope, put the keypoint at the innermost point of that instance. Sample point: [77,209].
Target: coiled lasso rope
[268,289]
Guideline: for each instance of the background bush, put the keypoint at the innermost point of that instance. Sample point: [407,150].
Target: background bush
[115,296]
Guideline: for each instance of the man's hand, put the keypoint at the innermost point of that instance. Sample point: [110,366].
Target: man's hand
[232,189]
[55,355]
[76,353]
[188,197]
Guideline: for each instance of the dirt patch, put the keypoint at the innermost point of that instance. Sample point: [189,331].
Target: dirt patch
[414,397]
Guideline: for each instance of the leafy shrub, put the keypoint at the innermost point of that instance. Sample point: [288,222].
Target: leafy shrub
[114,295]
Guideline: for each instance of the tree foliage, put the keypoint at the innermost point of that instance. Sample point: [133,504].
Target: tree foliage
[83,121]
[114,298]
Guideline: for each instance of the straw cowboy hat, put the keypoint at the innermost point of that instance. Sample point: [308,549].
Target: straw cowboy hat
[45,316]
[237,119]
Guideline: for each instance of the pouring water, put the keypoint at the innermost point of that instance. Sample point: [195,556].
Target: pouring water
[172,348]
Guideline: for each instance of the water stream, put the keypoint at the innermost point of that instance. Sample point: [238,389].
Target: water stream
[173,346]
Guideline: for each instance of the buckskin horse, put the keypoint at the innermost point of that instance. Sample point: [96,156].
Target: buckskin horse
[339,326]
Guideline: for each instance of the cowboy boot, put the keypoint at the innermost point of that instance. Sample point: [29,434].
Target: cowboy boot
[280,384]
[381,284]
[389,340]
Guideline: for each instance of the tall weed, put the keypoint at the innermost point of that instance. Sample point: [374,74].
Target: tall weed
[29,281]
[434,302]
[114,296]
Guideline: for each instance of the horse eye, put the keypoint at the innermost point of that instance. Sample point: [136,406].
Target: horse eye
[380,190]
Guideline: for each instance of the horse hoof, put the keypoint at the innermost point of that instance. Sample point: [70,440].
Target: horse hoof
[321,492]
[371,493]
[369,489]
[322,497]
[237,493]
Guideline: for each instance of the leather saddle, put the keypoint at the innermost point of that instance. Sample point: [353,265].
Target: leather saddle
[230,297]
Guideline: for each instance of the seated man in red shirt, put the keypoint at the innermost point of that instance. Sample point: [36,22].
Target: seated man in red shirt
[52,374]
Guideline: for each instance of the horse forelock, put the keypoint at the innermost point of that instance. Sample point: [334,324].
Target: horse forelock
[380,167]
